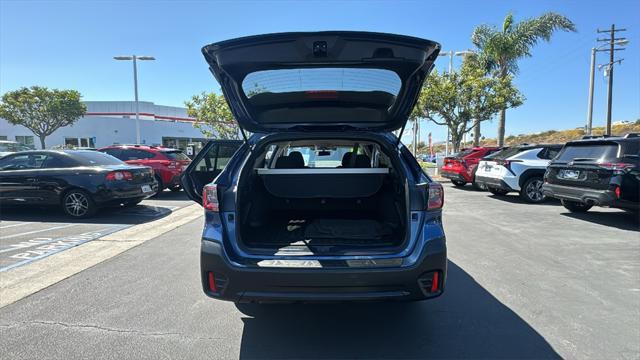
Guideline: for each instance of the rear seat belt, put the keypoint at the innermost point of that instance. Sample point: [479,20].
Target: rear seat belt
[354,151]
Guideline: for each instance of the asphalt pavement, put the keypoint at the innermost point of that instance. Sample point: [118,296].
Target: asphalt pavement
[32,233]
[524,281]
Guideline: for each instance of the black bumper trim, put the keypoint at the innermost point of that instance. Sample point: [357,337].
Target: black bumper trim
[493,183]
[583,195]
[257,284]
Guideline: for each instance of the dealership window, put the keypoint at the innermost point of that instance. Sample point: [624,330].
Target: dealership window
[25,140]
[2,137]
[79,142]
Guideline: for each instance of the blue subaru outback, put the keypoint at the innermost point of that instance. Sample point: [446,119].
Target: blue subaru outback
[320,201]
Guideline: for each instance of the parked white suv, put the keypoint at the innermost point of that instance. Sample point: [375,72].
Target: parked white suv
[519,168]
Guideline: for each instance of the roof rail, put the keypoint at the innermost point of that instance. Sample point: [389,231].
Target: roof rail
[632,135]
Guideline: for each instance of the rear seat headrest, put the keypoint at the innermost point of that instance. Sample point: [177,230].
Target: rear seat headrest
[362,161]
[346,159]
[297,161]
[283,162]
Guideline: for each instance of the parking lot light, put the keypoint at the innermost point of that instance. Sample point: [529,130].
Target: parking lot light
[135,85]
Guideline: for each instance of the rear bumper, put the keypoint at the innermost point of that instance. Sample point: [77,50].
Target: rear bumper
[453,176]
[119,193]
[493,183]
[582,195]
[264,284]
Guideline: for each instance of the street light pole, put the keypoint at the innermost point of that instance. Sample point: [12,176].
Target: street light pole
[135,88]
[135,59]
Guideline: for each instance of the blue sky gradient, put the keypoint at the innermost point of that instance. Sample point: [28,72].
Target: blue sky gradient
[70,44]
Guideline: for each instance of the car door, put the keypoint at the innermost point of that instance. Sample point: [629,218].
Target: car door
[52,179]
[18,177]
[207,165]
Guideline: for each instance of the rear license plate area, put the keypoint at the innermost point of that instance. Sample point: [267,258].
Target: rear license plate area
[566,174]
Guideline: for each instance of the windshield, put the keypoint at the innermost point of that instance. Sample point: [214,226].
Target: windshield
[175,155]
[93,158]
[588,152]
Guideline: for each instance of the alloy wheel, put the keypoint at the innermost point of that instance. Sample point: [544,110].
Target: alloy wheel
[534,190]
[76,204]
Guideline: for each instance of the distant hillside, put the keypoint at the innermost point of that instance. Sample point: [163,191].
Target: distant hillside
[553,136]
[562,136]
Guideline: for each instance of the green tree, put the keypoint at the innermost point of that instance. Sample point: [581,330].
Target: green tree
[214,118]
[42,110]
[463,99]
[500,49]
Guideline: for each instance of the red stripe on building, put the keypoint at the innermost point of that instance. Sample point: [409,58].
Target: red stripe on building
[160,117]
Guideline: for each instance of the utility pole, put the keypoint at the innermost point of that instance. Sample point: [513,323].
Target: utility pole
[612,41]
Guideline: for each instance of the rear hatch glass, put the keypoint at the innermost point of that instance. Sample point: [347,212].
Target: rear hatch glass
[332,80]
[588,152]
[176,155]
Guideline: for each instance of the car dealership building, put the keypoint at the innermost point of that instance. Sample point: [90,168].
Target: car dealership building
[113,122]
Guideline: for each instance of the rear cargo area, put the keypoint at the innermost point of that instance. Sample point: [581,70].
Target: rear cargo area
[341,209]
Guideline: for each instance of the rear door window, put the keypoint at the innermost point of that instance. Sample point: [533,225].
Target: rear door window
[589,152]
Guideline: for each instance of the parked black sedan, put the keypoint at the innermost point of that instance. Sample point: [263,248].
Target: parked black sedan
[80,181]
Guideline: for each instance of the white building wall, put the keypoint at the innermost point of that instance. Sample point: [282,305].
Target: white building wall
[109,129]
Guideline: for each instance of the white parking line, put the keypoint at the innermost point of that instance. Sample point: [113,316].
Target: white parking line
[37,231]
[13,225]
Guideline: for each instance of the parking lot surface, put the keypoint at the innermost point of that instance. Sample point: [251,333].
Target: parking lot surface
[524,281]
[33,233]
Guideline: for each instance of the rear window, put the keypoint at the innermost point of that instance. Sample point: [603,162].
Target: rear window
[463,153]
[175,155]
[321,79]
[588,152]
[506,153]
[92,158]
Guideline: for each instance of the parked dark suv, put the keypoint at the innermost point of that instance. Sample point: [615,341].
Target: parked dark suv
[601,171]
[322,202]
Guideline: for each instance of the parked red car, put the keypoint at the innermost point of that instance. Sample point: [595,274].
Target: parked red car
[461,167]
[167,163]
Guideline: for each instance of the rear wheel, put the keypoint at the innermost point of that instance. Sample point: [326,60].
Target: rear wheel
[458,183]
[496,191]
[78,204]
[160,186]
[575,207]
[478,186]
[532,190]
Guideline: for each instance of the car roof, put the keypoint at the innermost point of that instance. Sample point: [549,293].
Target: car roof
[603,139]
[141,147]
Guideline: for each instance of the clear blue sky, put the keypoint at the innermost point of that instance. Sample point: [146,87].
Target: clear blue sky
[70,44]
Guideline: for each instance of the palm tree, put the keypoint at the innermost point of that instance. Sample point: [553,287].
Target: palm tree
[500,50]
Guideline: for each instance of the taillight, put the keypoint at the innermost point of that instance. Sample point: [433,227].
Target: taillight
[435,198]
[617,191]
[119,175]
[618,168]
[210,198]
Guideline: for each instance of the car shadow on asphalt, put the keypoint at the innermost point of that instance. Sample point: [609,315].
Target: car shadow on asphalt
[514,198]
[623,220]
[133,215]
[466,322]
[168,195]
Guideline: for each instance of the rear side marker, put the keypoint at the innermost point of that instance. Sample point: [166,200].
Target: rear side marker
[212,282]
[434,282]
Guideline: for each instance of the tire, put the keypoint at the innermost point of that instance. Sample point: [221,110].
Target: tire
[175,188]
[575,207]
[160,186]
[458,183]
[531,190]
[478,186]
[78,204]
[497,192]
